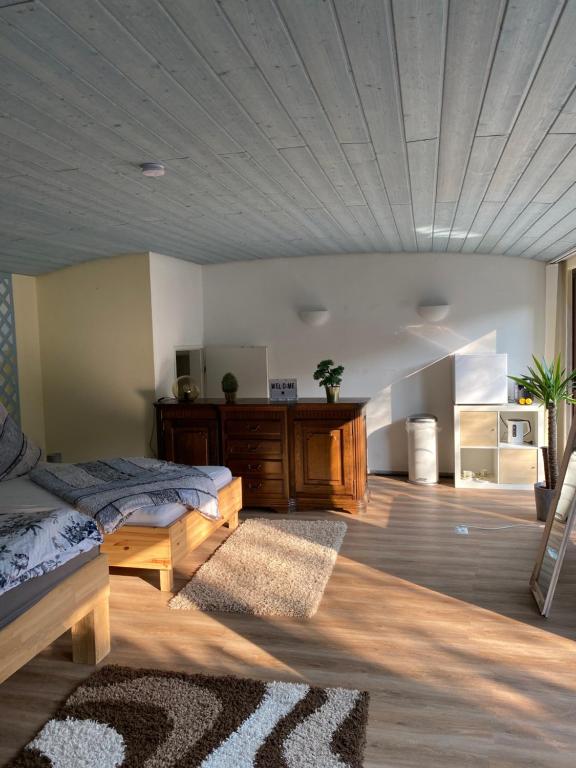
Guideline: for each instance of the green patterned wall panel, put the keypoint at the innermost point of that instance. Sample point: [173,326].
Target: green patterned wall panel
[8,359]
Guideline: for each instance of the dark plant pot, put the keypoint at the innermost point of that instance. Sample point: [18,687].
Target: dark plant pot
[230,397]
[543,497]
[332,394]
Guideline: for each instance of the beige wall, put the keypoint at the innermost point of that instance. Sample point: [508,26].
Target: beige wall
[97,358]
[29,364]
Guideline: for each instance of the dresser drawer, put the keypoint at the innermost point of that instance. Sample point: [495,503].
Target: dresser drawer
[257,427]
[253,487]
[256,467]
[253,447]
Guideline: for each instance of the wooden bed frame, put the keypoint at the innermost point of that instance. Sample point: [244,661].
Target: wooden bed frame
[160,549]
[79,602]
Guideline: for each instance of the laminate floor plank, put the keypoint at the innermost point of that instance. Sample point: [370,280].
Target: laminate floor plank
[439,627]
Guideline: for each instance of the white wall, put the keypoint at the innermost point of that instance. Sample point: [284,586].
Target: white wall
[390,354]
[177,314]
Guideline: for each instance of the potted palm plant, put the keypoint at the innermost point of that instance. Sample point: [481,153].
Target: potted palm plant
[550,384]
[330,377]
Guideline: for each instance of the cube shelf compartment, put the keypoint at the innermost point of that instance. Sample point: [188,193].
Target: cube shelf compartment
[482,456]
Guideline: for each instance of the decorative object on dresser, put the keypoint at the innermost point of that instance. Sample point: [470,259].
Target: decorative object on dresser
[329,376]
[229,387]
[308,454]
[550,384]
[282,390]
[185,388]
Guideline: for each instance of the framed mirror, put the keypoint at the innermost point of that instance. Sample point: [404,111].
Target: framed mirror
[557,531]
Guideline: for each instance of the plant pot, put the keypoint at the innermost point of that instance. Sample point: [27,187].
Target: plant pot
[230,397]
[332,394]
[543,497]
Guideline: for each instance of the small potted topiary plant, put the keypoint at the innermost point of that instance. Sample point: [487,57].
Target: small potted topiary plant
[229,387]
[330,377]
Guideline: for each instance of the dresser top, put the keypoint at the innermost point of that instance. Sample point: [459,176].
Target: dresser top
[316,401]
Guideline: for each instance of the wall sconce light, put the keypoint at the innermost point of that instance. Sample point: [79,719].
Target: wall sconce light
[433,313]
[314,316]
[152,169]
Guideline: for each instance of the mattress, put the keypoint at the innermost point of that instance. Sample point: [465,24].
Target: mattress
[16,601]
[23,492]
[166,514]
[38,533]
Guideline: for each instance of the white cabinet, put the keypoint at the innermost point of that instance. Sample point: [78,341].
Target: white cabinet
[483,457]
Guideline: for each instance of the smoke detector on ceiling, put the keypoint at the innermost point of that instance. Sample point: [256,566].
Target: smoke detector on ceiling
[153,169]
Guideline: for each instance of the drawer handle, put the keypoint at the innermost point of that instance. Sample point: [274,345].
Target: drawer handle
[255,467]
[254,428]
[252,448]
[254,486]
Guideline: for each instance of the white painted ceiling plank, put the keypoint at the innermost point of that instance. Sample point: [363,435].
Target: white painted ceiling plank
[420,40]
[531,213]
[282,127]
[566,120]
[271,46]
[548,157]
[443,218]
[550,89]
[404,220]
[509,233]
[422,157]
[526,31]
[484,157]
[370,43]
[473,27]
[560,181]
[482,222]
[315,32]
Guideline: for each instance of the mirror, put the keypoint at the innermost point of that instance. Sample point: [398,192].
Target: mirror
[207,365]
[190,362]
[557,531]
[248,363]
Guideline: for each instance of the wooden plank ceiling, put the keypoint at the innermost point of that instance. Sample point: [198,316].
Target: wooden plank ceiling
[287,127]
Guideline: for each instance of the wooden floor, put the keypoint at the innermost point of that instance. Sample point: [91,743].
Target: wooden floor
[439,627]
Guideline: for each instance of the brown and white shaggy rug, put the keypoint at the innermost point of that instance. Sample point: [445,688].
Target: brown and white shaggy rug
[267,568]
[139,718]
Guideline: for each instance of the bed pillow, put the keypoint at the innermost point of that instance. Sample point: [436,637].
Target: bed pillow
[18,454]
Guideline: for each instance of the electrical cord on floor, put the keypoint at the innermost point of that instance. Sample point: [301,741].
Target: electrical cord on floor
[465,528]
[151,441]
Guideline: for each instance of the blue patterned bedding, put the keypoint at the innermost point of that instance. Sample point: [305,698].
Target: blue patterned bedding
[35,540]
[110,490]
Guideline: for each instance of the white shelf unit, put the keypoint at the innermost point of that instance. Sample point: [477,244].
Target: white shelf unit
[480,447]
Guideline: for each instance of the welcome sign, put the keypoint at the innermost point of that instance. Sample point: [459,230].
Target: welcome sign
[283,389]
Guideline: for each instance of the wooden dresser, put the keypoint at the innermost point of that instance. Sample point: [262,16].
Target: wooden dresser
[291,456]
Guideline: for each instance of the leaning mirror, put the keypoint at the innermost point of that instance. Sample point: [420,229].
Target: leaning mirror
[557,531]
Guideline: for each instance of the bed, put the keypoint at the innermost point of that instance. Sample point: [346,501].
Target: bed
[158,539]
[48,587]
[155,538]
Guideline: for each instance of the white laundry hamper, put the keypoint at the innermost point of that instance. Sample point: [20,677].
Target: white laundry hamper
[422,429]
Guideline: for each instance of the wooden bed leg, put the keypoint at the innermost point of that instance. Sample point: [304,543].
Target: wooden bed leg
[166,580]
[232,522]
[91,635]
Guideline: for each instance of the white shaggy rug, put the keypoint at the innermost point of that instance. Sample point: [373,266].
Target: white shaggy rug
[267,568]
